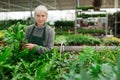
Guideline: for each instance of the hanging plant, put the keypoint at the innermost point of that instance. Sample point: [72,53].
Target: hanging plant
[97,4]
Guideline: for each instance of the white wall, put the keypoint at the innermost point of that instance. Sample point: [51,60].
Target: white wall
[53,15]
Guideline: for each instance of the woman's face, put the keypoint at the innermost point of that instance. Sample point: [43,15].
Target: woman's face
[40,18]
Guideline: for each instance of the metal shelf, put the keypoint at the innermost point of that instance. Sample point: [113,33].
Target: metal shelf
[92,19]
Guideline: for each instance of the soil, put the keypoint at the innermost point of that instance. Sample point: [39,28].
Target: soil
[2,43]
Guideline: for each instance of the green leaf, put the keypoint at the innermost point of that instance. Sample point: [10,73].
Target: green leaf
[5,54]
[118,73]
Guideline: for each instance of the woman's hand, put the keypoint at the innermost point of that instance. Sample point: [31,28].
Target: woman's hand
[30,46]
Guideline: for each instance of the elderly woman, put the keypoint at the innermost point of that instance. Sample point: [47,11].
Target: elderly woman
[40,36]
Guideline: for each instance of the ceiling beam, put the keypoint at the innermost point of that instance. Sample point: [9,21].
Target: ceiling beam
[2,9]
[46,4]
[14,5]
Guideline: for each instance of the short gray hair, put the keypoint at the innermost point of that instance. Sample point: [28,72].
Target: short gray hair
[41,8]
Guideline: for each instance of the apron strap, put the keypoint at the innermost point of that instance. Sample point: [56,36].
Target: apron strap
[31,33]
[44,33]
[43,36]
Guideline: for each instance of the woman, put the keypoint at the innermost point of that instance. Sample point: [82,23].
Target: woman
[40,36]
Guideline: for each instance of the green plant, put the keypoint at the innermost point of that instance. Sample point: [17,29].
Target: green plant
[91,15]
[84,15]
[91,31]
[1,34]
[4,55]
[44,69]
[111,41]
[15,33]
[91,64]
[69,24]
[84,7]
[82,40]
[60,40]
[5,24]
[88,64]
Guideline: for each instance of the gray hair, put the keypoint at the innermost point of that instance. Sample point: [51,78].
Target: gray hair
[41,8]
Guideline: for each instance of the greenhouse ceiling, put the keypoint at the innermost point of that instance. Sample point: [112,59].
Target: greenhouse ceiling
[27,5]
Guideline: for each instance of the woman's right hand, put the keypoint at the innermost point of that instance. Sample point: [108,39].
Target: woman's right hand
[30,46]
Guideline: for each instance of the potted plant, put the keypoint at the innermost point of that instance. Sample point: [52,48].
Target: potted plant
[97,4]
[84,8]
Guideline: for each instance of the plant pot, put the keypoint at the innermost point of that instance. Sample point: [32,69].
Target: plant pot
[97,4]
[96,8]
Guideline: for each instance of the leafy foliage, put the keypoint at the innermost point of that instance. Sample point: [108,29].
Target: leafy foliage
[111,41]
[64,24]
[89,64]
[79,39]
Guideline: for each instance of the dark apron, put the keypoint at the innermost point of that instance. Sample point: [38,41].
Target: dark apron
[35,39]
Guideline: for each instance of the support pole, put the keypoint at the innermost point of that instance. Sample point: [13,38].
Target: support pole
[116,7]
[106,31]
[75,16]
[31,16]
